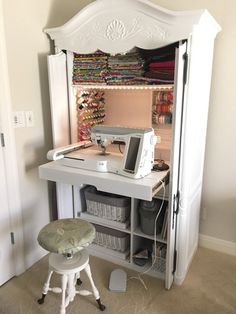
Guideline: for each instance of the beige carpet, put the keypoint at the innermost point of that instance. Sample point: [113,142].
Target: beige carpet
[210,287]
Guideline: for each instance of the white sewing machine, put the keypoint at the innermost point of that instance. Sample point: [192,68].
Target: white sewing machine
[135,162]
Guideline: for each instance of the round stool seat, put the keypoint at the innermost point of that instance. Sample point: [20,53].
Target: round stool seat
[66,236]
[63,265]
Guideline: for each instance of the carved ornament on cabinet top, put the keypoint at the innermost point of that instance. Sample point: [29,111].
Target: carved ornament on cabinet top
[156,31]
[116,30]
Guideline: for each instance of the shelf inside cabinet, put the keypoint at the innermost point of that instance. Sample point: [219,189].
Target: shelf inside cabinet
[151,270]
[163,194]
[95,248]
[167,126]
[138,232]
[121,226]
[126,87]
[158,187]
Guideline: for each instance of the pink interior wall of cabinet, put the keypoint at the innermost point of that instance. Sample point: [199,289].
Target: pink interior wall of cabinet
[163,149]
[132,108]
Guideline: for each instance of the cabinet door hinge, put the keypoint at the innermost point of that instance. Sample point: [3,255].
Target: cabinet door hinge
[175,208]
[174,262]
[176,203]
[185,57]
[12,238]
[2,140]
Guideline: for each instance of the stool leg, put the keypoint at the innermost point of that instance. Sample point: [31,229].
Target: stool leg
[46,287]
[95,290]
[64,280]
[78,280]
[71,287]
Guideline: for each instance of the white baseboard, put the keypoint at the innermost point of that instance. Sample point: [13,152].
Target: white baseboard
[217,244]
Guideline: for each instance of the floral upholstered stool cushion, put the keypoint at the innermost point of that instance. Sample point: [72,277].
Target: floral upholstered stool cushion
[66,236]
[66,239]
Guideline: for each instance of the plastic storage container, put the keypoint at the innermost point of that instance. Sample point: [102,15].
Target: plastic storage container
[107,205]
[111,239]
[148,211]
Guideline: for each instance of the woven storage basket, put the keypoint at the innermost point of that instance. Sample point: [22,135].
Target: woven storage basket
[111,239]
[107,205]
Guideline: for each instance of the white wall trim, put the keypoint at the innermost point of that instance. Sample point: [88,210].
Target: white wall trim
[216,244]
[10,159]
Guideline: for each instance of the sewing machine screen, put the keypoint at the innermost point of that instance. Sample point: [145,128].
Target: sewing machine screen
[132,154]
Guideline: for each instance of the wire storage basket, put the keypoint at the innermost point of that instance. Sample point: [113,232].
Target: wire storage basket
[159,257]
[159,264]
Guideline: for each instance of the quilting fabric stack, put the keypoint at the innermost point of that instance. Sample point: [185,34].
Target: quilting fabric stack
[125,69]
[159,64]
[161,72]
[90,68]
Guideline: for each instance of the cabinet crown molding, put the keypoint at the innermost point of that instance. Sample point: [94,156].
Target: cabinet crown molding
[117,26]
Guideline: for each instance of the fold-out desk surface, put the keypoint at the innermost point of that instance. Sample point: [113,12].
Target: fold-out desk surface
[144,188]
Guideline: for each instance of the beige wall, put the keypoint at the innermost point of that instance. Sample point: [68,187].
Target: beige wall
[27,47]
[26,51]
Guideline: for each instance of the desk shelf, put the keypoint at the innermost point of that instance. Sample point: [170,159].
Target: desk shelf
[140,189]
[144,188]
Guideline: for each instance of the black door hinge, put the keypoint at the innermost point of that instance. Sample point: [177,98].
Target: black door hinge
[2,140]
[12,238]
[174,262]
[185,57]
[176,202]
[175,208]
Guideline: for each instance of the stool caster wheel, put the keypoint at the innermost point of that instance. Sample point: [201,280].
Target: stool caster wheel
[100,305]
[79,282]
[41,301]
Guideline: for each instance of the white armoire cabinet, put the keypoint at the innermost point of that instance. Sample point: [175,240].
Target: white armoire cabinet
[116,27]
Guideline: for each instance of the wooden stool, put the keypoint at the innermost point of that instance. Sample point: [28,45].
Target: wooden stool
[66,239]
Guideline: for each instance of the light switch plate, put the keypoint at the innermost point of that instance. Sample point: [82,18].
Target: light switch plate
[29,118]
[18,119]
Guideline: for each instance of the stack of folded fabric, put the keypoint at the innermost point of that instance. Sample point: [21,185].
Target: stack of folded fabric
[90,68]
[125,69]
[161,72]
[159,65]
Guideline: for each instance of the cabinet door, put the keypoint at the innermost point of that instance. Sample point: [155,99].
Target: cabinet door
[6,247]
[57,74]
[175,162]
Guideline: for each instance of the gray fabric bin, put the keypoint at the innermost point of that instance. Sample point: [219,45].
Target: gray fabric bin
[107,205]
[111,239]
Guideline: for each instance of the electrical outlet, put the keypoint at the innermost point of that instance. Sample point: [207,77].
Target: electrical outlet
[29,118]
[18,119]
